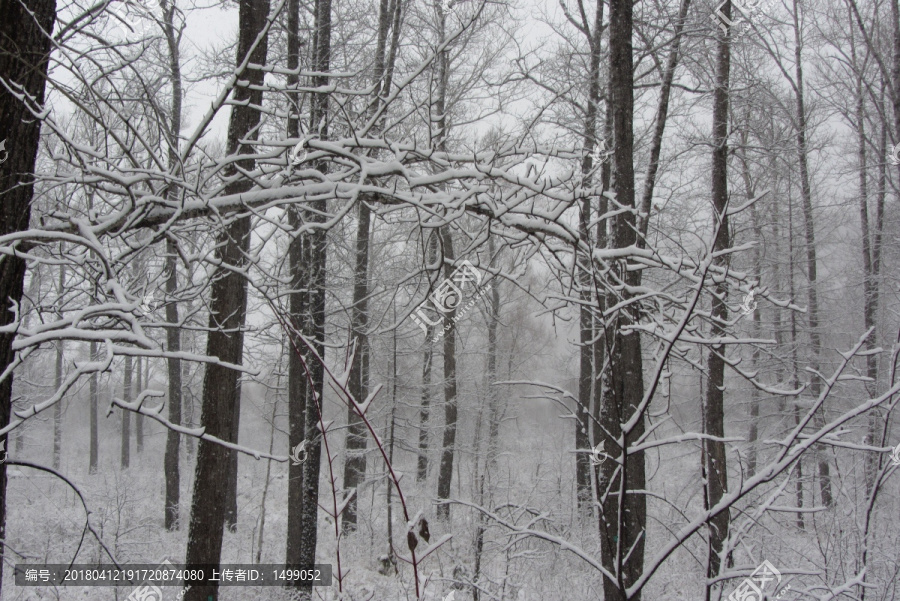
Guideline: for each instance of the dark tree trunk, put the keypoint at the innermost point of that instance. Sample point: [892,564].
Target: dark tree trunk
[58,373]
[427,361]
[662,113]
[355,462]
[624,507]
[795,381]
[24,56]
[173,439]
[424,409]
[297,383]
[448,443]
[138,418]
[815,341]
[173,334]
[313,322]
[127,395]
[95,403]
[493,403]
[756,330]
[355,459]
[215,475]
[714,411]
[870,253]
[389,489]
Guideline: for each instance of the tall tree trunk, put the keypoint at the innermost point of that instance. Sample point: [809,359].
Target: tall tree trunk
[868,309]
[586,317]
[427,360]
[24,56]
[128,396]
[795,381]
[624,506]
[297,384]
[601,368]
[815,341]
[493,403]
[57,409]
[895,71]
[215,468]
[756,326]
[422,460]
[389,489]
[138,418]
[265,491]
[173,334]
[173,439]
[355,461]
[778,325]
[314,260]
[355,458]
[662,113]
[95,404]
[714,410]
[448,442]
[57,382]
